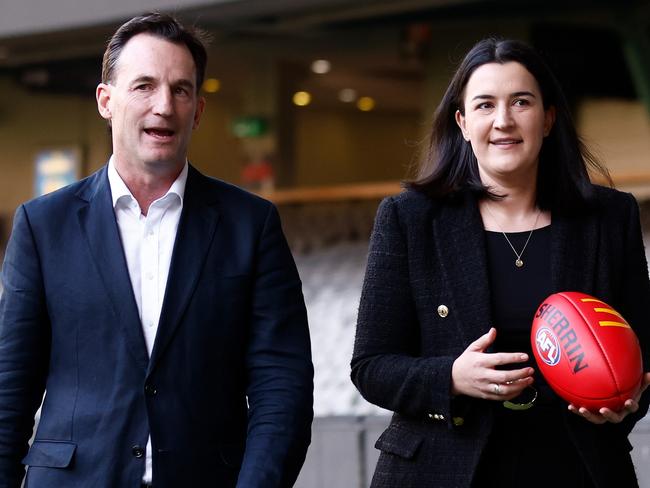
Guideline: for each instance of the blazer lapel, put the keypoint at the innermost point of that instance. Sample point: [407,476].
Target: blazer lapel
[574,251]
[460,241]
[99,227]
[193,239]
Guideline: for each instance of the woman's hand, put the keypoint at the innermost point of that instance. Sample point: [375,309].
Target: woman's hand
[606,415]
[474,372]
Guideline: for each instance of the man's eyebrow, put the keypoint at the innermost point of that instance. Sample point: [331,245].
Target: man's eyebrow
[143,78]
[150,79]
[184,82]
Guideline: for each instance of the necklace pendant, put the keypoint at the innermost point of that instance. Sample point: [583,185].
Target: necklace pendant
[519,263]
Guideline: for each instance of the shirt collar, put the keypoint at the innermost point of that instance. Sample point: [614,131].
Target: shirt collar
[119,188]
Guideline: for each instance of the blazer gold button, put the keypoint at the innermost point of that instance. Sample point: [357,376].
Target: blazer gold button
[443,311]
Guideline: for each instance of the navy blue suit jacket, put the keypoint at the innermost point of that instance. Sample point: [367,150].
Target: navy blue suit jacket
[227,393]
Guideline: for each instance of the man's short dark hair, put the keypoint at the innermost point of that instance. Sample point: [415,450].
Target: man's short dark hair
[160,25]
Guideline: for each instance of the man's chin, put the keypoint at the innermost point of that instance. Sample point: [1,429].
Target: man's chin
[164,162]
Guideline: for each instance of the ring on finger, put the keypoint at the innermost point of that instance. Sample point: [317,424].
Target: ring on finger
[497,389]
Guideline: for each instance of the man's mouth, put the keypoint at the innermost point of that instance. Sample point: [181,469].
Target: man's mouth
[159,132]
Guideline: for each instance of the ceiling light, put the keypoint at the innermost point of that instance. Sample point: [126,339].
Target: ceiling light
[321,66]
[301,98]
[366,104]
[348,95]
[211,85]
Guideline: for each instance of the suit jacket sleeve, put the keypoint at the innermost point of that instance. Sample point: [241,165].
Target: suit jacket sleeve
[386,367]
[279,368]
[24,349]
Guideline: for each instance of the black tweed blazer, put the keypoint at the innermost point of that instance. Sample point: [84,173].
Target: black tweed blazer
[426,253]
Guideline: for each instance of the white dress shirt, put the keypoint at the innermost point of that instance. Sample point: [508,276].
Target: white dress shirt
[148,242]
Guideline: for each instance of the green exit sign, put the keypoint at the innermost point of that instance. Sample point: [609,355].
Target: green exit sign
[249,127]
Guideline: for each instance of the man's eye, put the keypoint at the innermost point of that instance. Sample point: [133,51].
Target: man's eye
[521,102]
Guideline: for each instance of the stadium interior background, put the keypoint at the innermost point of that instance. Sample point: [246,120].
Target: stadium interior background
[322,106]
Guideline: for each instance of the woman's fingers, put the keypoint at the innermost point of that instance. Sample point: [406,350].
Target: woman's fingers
[503,358]
[483,342]
[507,390]
[605,414]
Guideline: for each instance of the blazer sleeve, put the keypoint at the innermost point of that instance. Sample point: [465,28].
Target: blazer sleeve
[387,367]
[279,368]
[635,297]
[24,349]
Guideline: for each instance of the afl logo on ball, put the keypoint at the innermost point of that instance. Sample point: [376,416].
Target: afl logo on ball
[548,347]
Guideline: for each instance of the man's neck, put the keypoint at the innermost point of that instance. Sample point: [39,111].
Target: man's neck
[147,187]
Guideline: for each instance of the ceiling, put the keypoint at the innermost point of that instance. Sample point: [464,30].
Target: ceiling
[67,60]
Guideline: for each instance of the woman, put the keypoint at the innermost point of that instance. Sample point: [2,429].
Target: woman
[501,215]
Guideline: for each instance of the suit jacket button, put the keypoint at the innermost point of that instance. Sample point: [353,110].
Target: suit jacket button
[150,390]
[443,311]
[137,451]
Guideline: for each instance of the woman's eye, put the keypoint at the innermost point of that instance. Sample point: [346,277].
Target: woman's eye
[484,106]
[521,102]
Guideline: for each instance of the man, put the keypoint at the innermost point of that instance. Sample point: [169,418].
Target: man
[159,309]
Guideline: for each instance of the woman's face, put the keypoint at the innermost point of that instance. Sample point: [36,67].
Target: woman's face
[505,122]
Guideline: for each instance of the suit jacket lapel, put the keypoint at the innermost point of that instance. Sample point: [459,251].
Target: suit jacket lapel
[460,241]
[99,227]
[193,239]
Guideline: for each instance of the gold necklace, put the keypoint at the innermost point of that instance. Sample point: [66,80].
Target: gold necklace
[518,262]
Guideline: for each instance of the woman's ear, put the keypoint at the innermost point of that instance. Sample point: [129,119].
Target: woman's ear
[549,120]
[460,120]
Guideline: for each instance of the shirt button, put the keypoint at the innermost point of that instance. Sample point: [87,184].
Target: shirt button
[137,451]
[150,276]
[443,311]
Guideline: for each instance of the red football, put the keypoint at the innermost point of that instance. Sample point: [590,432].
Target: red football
[587,351]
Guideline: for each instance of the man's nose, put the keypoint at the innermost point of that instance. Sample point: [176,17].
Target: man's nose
[163,102]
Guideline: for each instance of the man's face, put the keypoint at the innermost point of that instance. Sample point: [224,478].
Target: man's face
[152,105]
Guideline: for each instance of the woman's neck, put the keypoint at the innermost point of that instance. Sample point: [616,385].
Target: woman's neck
[516,212]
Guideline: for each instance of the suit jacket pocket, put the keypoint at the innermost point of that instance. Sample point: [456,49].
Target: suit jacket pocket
[50,454]
[399,441]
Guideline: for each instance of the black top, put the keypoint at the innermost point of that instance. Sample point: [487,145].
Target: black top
[509,456]
[517,292]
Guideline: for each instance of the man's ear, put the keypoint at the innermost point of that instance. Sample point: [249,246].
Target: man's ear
[200,106]
[460,120]
[103,97]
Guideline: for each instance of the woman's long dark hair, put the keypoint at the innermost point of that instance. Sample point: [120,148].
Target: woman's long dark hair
[449,165]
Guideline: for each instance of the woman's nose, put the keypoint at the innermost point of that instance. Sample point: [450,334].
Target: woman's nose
[503,118]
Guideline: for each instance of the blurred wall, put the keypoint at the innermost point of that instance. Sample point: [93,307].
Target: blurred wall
[334,147]
[618,131]
[31,122]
